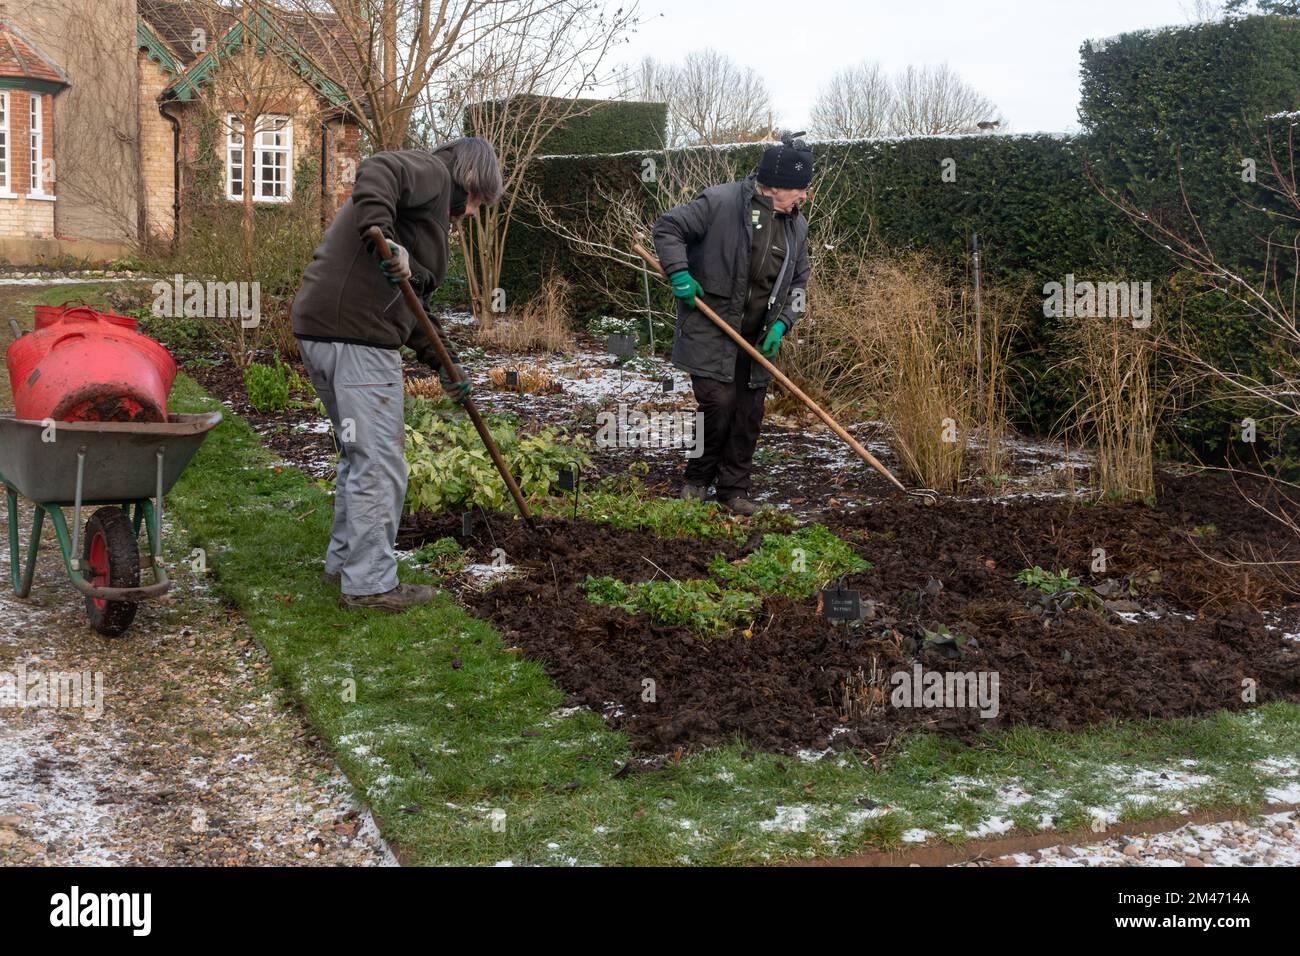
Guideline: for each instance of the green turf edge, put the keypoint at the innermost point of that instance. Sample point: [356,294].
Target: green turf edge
[476,763]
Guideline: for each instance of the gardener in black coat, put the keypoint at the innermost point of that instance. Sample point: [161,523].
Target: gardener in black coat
[351,322]
[742,248]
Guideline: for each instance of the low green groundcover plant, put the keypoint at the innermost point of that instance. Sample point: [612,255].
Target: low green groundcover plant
[268,386]
[1047,581]
[622,501]
[450,467]
[795,565]
[701,605]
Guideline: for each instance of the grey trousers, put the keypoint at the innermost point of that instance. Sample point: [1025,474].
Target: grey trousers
[361,388]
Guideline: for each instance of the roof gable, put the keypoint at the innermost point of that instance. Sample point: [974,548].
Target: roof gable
[167,32]
[25,65]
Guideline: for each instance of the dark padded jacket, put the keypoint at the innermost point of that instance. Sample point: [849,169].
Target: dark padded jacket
[344,296]
[712,236]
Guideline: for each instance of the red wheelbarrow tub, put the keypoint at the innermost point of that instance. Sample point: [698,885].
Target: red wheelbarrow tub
[121,458]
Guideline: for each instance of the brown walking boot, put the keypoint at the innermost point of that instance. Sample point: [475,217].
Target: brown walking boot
[740,506]
[696,492]
[398,599]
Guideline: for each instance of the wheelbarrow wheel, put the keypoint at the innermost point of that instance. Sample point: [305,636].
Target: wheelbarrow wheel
[111,559]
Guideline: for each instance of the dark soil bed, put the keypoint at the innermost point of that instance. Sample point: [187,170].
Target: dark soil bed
[802,682]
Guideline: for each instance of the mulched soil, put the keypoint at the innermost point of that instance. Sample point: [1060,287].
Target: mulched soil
[803,682]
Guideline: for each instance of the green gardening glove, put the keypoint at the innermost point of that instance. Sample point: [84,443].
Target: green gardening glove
[456,391]
[772,343]
[685,287]
[398,266]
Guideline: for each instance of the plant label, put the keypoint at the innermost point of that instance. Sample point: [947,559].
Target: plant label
[566,479]
[668,384]
[512,378]
[620,345]
[466,524]
[842,605]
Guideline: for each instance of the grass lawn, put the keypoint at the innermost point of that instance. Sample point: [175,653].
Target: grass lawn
[464,753]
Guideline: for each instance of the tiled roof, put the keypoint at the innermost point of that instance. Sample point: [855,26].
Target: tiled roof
[320,38]
[22,59]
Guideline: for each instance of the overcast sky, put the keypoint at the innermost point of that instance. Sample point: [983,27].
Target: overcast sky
[1022,55]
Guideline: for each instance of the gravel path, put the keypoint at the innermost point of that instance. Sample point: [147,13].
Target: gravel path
[1271,840]
[196,757]
[190,755]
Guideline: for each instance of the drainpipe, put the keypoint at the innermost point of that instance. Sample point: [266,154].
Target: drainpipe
[324,159]
[176,174]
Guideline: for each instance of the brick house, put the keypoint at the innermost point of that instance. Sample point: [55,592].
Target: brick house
[29,82]
[127,107]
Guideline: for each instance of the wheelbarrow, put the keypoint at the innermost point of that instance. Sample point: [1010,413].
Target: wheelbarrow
[125,468]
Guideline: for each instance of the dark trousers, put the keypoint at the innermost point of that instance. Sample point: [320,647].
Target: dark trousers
[733,417]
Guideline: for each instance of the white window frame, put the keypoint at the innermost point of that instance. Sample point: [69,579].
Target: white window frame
[261,148]
[6,154]
[36,147]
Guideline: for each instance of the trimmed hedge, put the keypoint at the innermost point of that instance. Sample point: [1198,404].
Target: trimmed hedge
[1152,101]
[1037,215]
[600,126]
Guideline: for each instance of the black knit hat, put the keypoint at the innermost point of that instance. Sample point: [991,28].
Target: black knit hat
[788,166]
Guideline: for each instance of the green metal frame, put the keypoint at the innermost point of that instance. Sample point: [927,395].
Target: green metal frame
[141,510]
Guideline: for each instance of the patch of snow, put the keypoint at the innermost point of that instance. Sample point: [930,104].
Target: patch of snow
[788,819]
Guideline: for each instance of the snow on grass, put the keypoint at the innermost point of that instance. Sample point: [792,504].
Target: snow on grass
[788,819]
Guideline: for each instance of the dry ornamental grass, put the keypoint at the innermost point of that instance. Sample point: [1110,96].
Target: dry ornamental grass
[542,325]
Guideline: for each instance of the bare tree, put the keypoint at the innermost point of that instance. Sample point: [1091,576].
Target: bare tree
[711,100]
[1267,295]
[858,103]
[523,81]
[383,54]
[934,100]
[1202,11]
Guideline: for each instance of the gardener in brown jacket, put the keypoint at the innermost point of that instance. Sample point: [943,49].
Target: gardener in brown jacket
[351,321]
[743,249]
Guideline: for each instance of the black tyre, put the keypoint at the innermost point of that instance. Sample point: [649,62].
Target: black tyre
[110,558]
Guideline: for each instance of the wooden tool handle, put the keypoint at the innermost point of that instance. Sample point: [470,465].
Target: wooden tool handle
[376,236]
[777,374]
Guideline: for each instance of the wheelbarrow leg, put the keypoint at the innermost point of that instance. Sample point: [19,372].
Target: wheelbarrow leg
[22,580]
[66,544]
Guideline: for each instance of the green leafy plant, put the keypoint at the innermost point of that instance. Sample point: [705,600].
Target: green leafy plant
[604,326]
[268,386]
[700,605]
[622,501]
[941,634]
[450,467]
[1047,581]
[794,565]
[445,554]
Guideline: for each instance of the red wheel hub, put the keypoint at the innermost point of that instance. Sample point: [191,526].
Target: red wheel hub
[99,565]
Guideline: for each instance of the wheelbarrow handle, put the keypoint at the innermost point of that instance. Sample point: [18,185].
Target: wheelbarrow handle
[15,329]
